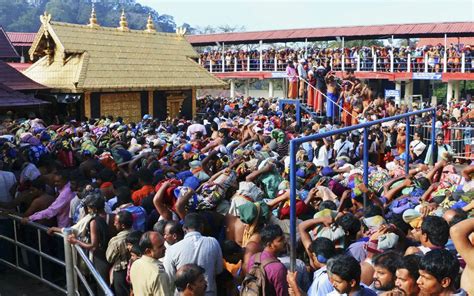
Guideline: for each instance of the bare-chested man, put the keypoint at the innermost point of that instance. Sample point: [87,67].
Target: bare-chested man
[462,236]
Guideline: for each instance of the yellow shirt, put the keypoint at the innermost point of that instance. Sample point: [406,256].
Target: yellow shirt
[148,278]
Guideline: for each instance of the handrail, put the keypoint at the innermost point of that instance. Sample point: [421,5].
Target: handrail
[298,141]
[69,263]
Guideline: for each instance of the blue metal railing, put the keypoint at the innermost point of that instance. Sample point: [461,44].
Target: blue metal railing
[298,141]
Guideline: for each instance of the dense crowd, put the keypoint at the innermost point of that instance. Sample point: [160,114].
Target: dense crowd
[201,207]
[239,59]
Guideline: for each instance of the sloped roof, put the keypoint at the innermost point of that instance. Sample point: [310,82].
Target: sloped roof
[14,79]
[454,40]
[107,59]
[7,51]
[12,98]
[21,38]
[352,32]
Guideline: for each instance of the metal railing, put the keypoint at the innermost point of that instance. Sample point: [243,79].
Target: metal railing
[63,263]
[391,62]
[365,126]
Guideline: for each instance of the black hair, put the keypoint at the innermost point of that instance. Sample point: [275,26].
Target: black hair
[124,195]
[193,221]
[270,233]
[106,175]
[125,218]
[175,228]
[39,184]
[389,260]
[64,175]
[346,267]
[458,217]
[437,230]
[323,247]
[372,211]
[159,226]
[230,247]
[349,223]
[133,237]
[136,250]
[145,242]
[328,204]
[441,264]
[412,264]
[145,175]
[187,274]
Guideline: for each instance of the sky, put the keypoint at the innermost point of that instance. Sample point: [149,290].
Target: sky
[256,15]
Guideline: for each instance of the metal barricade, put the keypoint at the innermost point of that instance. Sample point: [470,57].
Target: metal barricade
[58,260]
[295,143]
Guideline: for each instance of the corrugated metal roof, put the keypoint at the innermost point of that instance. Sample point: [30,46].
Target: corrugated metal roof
[16,80]
[7,51]
[454,40]
[376,31]
[21,38]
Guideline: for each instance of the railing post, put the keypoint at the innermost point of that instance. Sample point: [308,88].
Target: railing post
[292,206]
[298,113]
[223,64]
[235,64]
[210,66]
[433,136]
[358,62]
[68,263]
[248,63]
[445,61]
[366,162]
[330,61]
[261,56]
[409,63]
[463,62]
[375,61]
[276,63]
[391,61]
[343,62]
[426,62]
[407,144]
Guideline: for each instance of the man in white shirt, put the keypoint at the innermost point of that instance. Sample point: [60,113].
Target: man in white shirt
[321,157]
[417,147]
[194,128]
[342,146]
[198,249]
[7,182]
[440,150]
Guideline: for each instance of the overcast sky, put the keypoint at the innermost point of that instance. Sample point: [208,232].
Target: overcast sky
[278,14]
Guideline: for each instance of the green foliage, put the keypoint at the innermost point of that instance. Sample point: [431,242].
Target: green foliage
[23,15]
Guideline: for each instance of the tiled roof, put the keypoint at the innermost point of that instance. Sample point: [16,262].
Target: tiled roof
[14,79]
[107,59]
[7,51]
[11,98]
[354,32]
[21,38]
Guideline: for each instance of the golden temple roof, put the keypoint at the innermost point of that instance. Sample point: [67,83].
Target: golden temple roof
[78,58]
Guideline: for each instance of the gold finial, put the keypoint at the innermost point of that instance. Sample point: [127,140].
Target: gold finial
[123,22]
[93,19]
[45,18]
[180,31]
[150,27]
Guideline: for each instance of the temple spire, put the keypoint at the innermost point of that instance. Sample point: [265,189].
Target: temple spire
[123,22]
[93,19]
[150,26]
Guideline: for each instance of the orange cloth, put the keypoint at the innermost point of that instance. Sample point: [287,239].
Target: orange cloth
[141,193]
[292,89]
[318,102]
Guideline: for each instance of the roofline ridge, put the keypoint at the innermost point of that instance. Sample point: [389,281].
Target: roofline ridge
[112,29]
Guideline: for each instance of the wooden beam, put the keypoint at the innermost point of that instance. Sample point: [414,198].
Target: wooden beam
[150,103]
[87,104]
[193,91]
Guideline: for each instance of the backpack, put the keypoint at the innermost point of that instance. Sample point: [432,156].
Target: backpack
[255,280]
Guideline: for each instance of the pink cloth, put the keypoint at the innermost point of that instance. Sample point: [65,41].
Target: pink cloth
[275,273]
[292,75]
[59,208]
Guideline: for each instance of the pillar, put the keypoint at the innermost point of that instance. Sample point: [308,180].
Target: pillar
[194,98]
[449,93]
[398,86]
[408,93]
[247,87]
[150,103]
[456,89]
[232,88]
[270,88]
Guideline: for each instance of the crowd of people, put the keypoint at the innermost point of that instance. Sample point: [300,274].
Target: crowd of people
[243,60]
[201,207]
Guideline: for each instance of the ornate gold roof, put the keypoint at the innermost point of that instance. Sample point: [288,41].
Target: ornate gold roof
[108,59]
